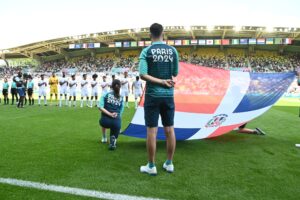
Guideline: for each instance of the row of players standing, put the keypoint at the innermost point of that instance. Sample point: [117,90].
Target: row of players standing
[69,87]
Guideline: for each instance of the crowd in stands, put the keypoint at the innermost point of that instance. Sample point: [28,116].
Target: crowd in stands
[9,71]
[234,60]
[248,63]
[82,64]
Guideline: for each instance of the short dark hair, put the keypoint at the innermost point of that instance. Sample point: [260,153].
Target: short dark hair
[156,30]
[95,76]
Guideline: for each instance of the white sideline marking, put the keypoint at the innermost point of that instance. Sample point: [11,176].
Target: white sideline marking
[70,190]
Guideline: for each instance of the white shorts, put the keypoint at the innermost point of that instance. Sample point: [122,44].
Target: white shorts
[63,90]
[72,92]
[42,93]
[124,93]
[84,93]
[137,94]
[94,93]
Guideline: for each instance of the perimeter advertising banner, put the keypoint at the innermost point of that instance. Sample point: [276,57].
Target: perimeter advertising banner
[200,42]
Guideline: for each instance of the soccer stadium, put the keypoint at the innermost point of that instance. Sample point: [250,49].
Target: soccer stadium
[81,115]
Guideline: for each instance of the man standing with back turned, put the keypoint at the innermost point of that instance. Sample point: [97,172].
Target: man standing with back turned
[158,65]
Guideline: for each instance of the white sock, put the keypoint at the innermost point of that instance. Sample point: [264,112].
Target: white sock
[74,103]
[81,103]
[60,100]
[39,100]
[45,100]
[70,103]
[136,103]
[66,99]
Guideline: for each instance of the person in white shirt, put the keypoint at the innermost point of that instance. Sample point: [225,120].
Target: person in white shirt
[63,90]
[94,93]
[125,88]
[84,90]
[137,87]
[105,86]
[42,90]
[72,91]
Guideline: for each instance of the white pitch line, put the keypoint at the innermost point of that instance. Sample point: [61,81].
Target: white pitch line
[70,190]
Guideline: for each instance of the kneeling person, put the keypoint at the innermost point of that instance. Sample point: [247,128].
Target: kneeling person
[112,106]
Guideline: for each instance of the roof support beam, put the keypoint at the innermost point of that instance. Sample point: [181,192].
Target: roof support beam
[258,34]
[104,39]
[133,36]
[224,33]
[192,34]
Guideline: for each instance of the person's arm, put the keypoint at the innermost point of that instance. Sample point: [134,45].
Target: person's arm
[102,109]
[85,83]
[132,87]
[124,82]
[176,64]
[143,68]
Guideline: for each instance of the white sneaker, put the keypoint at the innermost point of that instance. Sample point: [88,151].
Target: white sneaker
[146,169]
[104,140]
[169,168]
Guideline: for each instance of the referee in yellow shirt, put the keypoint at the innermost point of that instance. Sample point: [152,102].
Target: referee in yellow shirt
[53,82]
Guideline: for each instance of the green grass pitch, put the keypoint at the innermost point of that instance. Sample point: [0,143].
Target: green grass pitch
[61,146]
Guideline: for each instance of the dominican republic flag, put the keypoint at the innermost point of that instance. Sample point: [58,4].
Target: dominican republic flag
[210,102]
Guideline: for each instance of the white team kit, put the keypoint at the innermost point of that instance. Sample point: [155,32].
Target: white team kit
[137,88]
[64,87]
[42,87]
[105,87]
[84,88]
[125,87]
[94,89]
[72,90]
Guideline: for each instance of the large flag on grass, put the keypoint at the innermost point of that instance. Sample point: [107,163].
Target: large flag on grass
[210,102]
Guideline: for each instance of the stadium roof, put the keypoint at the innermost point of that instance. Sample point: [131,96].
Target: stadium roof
[59,46]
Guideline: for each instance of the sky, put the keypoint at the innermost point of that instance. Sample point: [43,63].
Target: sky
[24,22]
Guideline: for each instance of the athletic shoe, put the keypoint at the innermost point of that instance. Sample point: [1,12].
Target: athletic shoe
[259,131]
[45,105]
[169,168]
[146,169]
[104,140]
[113,143]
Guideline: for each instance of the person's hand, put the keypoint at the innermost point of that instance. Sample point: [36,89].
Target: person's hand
[114,115]
[168,83]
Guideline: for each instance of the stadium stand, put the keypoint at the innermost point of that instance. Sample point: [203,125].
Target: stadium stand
[230,59]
